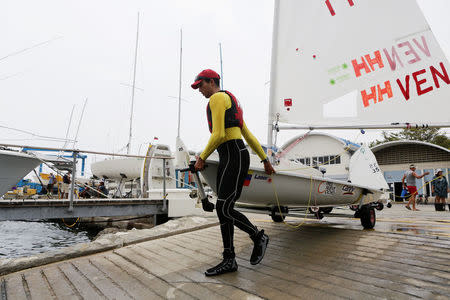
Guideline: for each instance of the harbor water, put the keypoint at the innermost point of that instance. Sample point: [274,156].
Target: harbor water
[19,239]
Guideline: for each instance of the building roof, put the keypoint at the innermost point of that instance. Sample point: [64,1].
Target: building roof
[408,151]
[352,146]
[405,142]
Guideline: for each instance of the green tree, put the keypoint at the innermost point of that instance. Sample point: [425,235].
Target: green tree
[430,135]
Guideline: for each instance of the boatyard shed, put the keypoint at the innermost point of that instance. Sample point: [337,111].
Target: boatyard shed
[395,157]
[321,149]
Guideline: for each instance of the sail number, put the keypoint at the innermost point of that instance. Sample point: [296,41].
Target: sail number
[374,167]
[331,9]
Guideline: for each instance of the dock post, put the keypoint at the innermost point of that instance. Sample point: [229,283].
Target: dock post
[164,186]
[72,184]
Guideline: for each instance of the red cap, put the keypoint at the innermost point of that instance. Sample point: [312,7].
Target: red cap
[205,74]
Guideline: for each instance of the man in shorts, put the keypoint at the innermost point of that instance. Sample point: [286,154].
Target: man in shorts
[410,177]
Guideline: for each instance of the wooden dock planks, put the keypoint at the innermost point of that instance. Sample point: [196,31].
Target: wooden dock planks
[313,262]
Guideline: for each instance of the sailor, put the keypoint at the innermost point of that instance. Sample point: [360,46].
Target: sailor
[227,126]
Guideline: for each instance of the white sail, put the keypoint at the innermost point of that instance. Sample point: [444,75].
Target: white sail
[364,170]
[181,155]
[353,62]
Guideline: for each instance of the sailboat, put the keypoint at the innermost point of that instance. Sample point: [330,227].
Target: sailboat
[13,167]
[377,62]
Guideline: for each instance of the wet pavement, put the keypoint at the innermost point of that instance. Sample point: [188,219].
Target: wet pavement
[406,256]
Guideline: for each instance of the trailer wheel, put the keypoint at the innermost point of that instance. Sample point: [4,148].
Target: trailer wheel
[379,206]
[275,214]
[368,217]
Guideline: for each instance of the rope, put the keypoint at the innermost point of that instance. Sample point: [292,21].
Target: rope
[70,226]
[307,207]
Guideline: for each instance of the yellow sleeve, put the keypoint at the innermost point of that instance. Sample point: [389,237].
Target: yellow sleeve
[253,142]
[217,104]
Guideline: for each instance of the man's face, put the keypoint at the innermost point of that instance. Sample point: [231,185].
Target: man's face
[413,169]
[206,88]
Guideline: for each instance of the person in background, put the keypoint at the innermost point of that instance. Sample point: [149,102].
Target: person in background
[50,184]
[102,189]
[66,185]
[410,176]
[440,189]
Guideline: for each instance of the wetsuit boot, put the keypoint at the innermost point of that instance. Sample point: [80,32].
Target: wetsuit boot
[260,241]
[227,265]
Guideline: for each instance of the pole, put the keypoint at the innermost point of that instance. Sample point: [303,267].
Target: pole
[72,184]
[132,90]
[221,66]
[273,75]
[179,87]
[164,186]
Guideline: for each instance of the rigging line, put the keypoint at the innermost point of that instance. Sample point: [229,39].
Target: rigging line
[134,84]
[32,139]
[29,48]
[10,76]
[179,87]
[36,135]
[68,128]
[79,123]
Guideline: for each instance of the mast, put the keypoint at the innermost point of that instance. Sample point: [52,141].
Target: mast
[68,127]
[179,87]
[221,70]
[133,88]
[270,119]
[79,123]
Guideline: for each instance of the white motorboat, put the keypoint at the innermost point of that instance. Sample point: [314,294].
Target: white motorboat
[13,167]
[129,167]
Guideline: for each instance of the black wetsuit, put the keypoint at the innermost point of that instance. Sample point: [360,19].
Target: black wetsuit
[234,160]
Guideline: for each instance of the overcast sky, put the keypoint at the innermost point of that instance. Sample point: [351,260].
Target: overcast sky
[88,52]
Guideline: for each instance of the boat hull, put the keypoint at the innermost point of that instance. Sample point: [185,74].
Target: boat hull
[113,168]
[290,189]
[13,167]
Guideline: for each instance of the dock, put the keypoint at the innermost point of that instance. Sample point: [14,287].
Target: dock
[406,256]
[36,209]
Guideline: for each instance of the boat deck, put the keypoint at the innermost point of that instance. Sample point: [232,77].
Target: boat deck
[406,256]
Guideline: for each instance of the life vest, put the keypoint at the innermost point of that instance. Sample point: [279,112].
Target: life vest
[233,115]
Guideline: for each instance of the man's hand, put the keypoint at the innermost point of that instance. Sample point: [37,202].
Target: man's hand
[199,164]
[426,173]
[268,168]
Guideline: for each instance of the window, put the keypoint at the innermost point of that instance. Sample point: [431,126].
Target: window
[315,161]
[338,159]
[332,159]
[302,160]
[307,161]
